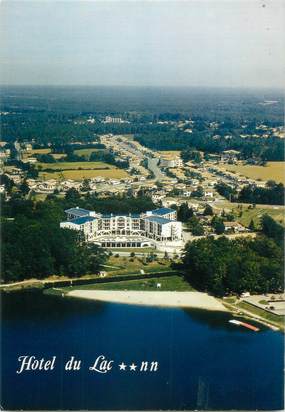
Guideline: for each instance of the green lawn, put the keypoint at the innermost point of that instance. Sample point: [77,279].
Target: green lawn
[278,320]
[255,214]
[74,165]
[276,212]
[79,170]
[171,283]
[130,265]
[86,152]
[272,171]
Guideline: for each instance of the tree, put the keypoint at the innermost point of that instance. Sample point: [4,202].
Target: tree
[272,229]
[195,226]
[208,211]
[7,182]
[184,213]
[72,196]
[251,226]
[85,187]
[218,225]
[221,266]
[198,230]
[24,188]
[199,192]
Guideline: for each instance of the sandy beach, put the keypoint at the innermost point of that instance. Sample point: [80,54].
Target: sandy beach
[196,300]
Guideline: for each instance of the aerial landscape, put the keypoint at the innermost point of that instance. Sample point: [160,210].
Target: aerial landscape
[142,228]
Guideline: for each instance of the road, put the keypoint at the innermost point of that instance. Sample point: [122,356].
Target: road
[152,166]
[151,162]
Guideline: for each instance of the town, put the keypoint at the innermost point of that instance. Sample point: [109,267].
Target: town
[148,199]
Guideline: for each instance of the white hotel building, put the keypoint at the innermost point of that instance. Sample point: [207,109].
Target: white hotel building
[156,228]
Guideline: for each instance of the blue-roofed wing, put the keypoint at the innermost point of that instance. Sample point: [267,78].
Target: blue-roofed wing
[162,211]
[82,220]
[158,219]
[77,212]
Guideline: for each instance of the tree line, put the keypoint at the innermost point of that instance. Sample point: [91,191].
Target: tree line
[272,194]
[222,266]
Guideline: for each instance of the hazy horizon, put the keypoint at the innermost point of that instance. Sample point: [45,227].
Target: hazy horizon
[165,44]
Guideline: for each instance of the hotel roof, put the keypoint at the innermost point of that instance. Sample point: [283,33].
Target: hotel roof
[162,211]
[82,220]
[108,215]
[158,219]
[78,211]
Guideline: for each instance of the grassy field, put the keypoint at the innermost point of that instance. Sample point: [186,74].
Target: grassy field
[85,152]
[40,151]
[84,174]
[80,170]
[272,171]
[75,165]
[276,212]
[169,283]
[170,154]
[255,214]
[58,155]
[278,320]
[134,265]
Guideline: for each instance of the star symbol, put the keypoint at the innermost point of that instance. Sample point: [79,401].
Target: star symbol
[133,367]
[122,366]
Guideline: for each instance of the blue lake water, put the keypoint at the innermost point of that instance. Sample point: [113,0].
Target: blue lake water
[204,362]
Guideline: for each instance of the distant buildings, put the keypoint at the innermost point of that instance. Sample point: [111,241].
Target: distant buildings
[171,163]
[110,119]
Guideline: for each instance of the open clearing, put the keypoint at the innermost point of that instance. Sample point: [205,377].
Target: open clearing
[276,212]
[80,170]
[86,152]
[168,283]
[75,165]
[170,154]
[58,155]
[255,214]
[40,151]
[134,265]
[272,171]
[85,174]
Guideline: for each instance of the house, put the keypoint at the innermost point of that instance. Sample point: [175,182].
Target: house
[235,227]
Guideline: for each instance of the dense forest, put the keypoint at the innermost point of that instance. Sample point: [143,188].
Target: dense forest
[222,266]
[267,149]
[146,102]
[59,116]
[34,246]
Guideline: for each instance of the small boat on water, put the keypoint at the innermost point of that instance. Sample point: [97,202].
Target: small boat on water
[246,325]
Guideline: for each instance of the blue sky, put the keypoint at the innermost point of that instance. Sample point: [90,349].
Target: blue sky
[146,43]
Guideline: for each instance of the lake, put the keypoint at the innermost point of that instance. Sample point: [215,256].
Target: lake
[204,362]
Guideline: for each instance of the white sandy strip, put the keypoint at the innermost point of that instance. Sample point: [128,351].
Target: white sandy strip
[197,300]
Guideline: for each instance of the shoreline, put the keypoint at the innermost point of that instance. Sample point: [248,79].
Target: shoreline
[195,300]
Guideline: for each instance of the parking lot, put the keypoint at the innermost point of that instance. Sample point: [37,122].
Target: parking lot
[273,303]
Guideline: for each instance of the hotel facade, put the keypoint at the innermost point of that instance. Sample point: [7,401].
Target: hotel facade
[156,228]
